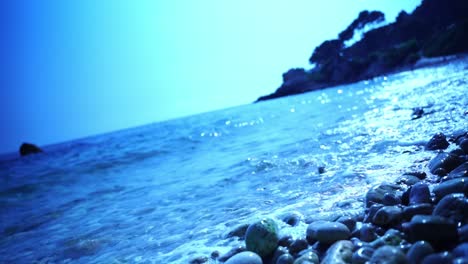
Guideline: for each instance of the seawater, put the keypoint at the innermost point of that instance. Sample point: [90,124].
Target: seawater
[171,191]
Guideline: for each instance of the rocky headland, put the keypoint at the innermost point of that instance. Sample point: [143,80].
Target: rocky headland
[436,28]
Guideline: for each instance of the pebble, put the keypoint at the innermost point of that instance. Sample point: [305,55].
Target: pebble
[463,233]
[362,255]
[285,241]
[348,221]
[454,207]
[438,141]
[367,233]
[438,231]
[238,231]
[421,209]
[292,219]
[461,250]
[262,237]
[245,257]
[387,216]
[459,172]
[391,199]
[459,185]
[327,232]
[307,257]
[231,253]
[388,255]
[419,194]
[377,193]
[438,258]
[445,161]
[391,238]
[408,180]
[339,252]
[285,259]
[418,251]
[297,246]
[464,145]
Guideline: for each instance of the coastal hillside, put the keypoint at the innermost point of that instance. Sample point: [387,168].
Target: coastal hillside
[435,28]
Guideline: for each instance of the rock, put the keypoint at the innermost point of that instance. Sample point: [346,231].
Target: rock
[464,145]
[459,185]
[371,212]
[454,207]
[463,233]
[214,254]
[285,259]
[420,174]
[419,251]
[339,252]
[408,180]
[285,241]
[387,216]
[460,261]
[308,257]
[419,194]
[297,246]
[292,219]
[199,260]
[438,141]
[439,258]
[327,232]
[459,172]
[348,221]
[461,251]
[417,209]
[388,255]
[418,112]
[28,148]
[238,231]
[367,233]
[262,237]
[279,251]
[231,253]
[362,255]
[391,238]
[245,257]
[377,193]
[445,161]
[391,199]
[438,231]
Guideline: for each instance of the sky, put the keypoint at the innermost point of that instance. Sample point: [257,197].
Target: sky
[77,68]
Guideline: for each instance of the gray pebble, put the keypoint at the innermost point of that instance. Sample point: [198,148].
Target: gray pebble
[454,207]
[439,258]
[419,251]
[419,194]
[377,193]
[446,161]
[327,232]
[421,209]
[388,255]
[246,257]
[285,259]
[388,215]
[438,231]
[461,250]
[459,185]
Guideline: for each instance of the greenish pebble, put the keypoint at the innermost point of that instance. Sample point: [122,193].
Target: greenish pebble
[340,252]
[262,237]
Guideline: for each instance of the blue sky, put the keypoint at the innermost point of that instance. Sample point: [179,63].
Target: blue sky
[79,68]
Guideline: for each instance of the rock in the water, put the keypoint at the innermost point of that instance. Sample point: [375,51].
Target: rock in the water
[388,255]
[439,258]
[454,207]
[292,219]
[199,260]
[245,257]
[438,141]
[387,215]
[362,255]
[377,193]
[419,194]
[419,251]
[231,253]
[339,252]
[262,237]
[238,231]
[28,148]
[418,112]
[459,172]
[458,185]
[438,231]
[327,232]
[444,161]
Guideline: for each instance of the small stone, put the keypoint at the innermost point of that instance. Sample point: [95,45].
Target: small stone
[438,231]
[245,257]
[199,260]
[418,112]
[308,257]
[278,252]
[388,255]
[459,172]
[348,221]
[439,258]
[285,241]
[441,172]
[238,231]
[454,207]
[461,251]
[417,209]
[231,253]
[387,216]
[420,174]
[321,170]
[391,199]
[292,219]
[285,259]
[418,251]
[463,233]
[371,212]
[28,148]
[408,180]
[438,141]
[377,193]
[419,194]
[339,252]
[362,255]
[262,237]
[459,185]
[391,238]
[446,161]
[464,145]
[367,233]
[327,232]
[297,246]
[214,254]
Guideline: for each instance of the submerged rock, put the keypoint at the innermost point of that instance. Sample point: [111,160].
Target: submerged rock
[245,257]
[262,237]
[438,258]
[377,193]
[438,141]
[28,148]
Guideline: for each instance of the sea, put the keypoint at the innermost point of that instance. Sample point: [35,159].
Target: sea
[172,191]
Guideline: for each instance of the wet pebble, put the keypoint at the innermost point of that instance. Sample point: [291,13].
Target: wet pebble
[292,219]
[297,246]
[459,185]
[454,207]
[377,193]
[246,257]
[461,251]
[262,237]
[238,231]
[367,233]
[445,161]
[419,194]
[464,145]
[339,252]
[391,199]
[307,257]
[327,232]
[388,255]
[417,209]
[348,221]
[438,231]
[362,255]
[438,141]
[231,253]
[418,251]
[459,172]
[285,259]
[409,180]
[438,258]
[387,215]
